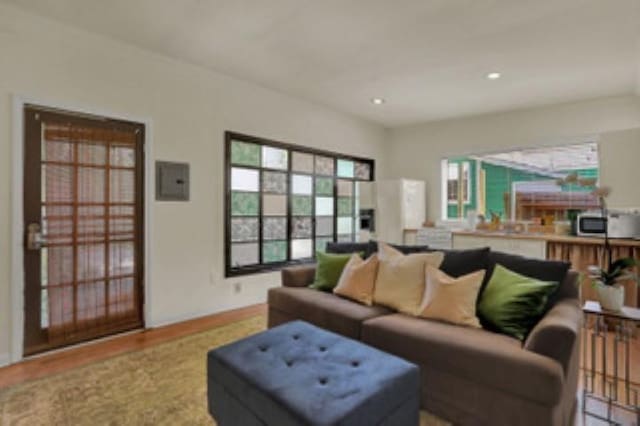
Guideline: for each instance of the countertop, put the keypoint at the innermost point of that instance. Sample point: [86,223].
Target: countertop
[550,238]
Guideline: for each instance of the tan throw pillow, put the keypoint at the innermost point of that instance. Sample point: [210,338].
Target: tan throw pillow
[451,299]
[358,279]
[400,281]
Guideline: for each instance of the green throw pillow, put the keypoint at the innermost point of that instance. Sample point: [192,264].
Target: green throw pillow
[512,303]
[328,270]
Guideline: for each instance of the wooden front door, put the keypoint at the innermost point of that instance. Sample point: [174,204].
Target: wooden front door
[83,218]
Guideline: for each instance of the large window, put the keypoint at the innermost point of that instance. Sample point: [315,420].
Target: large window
[522,185]
[285,202]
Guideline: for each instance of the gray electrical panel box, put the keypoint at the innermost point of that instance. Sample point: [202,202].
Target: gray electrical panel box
[172,181]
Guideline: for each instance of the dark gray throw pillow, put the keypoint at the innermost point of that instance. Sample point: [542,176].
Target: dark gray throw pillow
[457,263]
[373,248]
[345,248]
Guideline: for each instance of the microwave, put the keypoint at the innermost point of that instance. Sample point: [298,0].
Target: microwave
[615,224]
[591,225]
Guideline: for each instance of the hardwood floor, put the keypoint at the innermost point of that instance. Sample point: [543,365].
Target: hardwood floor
[66,359]
[74,357]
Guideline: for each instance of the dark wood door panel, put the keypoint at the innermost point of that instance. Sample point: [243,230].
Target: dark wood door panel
[84,220]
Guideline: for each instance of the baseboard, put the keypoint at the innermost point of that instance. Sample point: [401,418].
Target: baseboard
[161,322]
[5,359]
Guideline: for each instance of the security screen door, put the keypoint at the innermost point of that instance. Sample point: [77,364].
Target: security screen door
[83,225]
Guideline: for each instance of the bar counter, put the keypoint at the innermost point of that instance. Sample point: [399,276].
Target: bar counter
[581,252]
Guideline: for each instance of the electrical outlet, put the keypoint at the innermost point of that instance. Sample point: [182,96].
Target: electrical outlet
[237,287]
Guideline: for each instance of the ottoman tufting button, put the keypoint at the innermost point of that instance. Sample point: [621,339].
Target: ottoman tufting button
[263,348]
[289,363]
[322,349]
[355,364]
[296,337]
[323,380]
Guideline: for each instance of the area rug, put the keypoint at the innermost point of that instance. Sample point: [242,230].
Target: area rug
[162,385]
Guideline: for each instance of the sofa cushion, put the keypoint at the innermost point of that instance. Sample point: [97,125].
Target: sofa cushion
[358,279]
[543,270]
[348,248]
[328,270]
[373,248]
[513,303]
[400,281]
[457,263]
[451,299]
[477,355]
[325,310]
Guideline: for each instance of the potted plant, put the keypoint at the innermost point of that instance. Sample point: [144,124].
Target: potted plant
[608,281]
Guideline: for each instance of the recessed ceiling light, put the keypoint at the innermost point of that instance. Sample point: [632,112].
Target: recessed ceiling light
[494,75]
[377,101]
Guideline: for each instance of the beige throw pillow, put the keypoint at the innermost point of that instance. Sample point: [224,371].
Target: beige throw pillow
[451,299]
[400,281]
[358,279]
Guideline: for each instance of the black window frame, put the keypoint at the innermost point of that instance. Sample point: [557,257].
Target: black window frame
[230,136]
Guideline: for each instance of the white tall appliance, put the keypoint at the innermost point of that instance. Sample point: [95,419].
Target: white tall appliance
[398,204]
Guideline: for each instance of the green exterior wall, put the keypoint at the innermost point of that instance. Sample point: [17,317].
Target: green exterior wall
[498,180]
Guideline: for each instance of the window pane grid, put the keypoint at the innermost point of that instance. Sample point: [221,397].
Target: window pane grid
[285,203]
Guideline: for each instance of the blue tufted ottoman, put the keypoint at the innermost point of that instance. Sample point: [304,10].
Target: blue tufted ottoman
[299,374]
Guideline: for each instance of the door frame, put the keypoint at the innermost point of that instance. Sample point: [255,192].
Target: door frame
[17,197]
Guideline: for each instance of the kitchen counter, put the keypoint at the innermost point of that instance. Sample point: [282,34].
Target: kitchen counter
[550,237]
[581,252]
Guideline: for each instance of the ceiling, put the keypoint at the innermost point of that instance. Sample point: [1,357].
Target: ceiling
[553,161]
[427,58]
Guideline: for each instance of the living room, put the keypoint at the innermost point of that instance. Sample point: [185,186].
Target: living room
[392,90]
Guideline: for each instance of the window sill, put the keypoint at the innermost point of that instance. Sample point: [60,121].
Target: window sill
[263,269]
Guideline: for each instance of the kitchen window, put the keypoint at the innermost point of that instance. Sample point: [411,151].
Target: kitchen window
[522,185]
[456,172]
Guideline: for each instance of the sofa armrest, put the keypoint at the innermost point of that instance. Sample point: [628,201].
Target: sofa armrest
[298,276]
[557,333]
[524,373]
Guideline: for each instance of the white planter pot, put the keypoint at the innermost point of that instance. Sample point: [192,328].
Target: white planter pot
[611,296]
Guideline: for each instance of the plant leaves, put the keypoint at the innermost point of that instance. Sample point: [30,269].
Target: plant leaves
[624,263]
[619,271]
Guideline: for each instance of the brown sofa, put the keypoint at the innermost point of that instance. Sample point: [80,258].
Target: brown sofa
[469,376]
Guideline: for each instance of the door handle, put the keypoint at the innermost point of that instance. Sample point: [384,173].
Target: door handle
[35,240]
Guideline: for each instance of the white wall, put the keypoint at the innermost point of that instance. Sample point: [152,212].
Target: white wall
[620,161]
[638,72]
[416,151]
[190,109]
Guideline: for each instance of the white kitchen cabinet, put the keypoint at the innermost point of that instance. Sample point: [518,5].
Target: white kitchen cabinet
[535,248]
[399,204]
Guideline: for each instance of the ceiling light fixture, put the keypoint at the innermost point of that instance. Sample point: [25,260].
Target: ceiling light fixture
[377,101]
[494,75]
